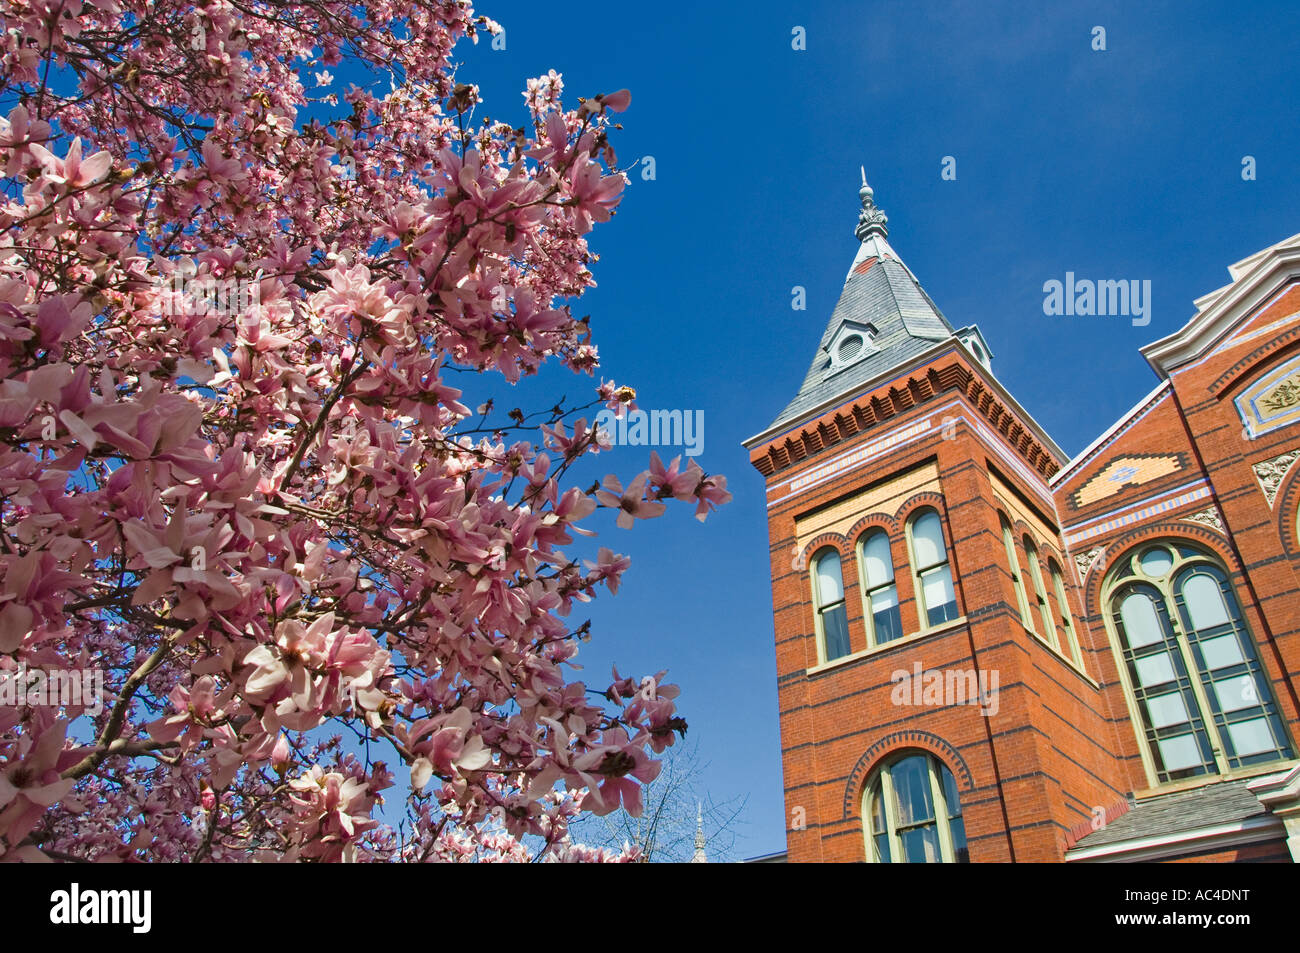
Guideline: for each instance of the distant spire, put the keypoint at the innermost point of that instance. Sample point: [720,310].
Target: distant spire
[699,857]
[872,221]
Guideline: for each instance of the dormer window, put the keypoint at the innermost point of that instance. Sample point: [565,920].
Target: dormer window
[975,344]
[849,348]
[851,343]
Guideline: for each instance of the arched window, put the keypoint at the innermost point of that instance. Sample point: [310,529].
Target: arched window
[879,592]
[828,598]
[912,813]
[1040,592]
[936,598]
[1191,665]
[1069,635]
[1017,575]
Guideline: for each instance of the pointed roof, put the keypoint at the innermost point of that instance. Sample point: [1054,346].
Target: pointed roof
[883,319]
[699,857]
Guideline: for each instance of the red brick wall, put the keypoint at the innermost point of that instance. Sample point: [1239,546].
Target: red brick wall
[1043,760]
[1061,746]
[1270,852]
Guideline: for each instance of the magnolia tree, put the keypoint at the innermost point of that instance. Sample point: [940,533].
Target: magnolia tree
[236,476]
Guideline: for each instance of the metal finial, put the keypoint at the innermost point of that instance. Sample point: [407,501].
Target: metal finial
[872,220]
[700,857]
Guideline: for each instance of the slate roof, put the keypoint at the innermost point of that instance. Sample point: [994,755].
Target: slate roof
[882,291]
[1227,802]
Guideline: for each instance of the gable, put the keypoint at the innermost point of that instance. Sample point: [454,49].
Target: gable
[1146,456]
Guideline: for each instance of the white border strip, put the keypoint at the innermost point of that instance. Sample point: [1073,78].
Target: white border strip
[1207,839]
[895,440]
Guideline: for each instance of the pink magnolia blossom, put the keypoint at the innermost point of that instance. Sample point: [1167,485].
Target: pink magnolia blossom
[631,503]
[242,326]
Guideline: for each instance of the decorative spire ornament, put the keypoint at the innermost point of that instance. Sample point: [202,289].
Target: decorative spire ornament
[872,221]
[699,857]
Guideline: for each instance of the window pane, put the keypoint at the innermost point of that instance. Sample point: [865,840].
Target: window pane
[880,833]
[884,615]
[1156,562]
[939,595]
[950,791]
[1141,624]
[1179,753]
[1251,737]
[1166,710]
[882,848]
[835,629]
[1154,669]
[927,540]
[958,828]
[1221,652]
[911,778]
[877,561]
[830,582]
[921,845]
[1204,601]
[877,811]
[1062,603]
[1237,693]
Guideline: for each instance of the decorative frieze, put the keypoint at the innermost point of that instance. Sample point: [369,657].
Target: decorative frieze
[1208,517]
[1085,561]
[1271,473]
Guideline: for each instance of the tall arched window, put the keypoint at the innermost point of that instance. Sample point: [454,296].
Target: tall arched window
[1040,592]
[879,592]
[912,813]
[1069,635]
[828,598]
[1017,576]
[936,597]
[1192,667]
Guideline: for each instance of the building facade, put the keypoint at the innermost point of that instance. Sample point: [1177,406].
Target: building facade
[988,651]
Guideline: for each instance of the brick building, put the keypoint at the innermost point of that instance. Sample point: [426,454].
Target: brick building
[988,651]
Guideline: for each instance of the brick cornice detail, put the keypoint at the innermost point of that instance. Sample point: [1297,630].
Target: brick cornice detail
[867,410]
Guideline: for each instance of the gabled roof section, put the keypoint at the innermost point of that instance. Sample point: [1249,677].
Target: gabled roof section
[1254,279]
[1182,820]
[879,291]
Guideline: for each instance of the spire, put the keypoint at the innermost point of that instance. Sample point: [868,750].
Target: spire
[871,221]
[699,857]
[883,318]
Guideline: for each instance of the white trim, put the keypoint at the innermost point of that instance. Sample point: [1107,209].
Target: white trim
[1277,788]
[1217,837]
[907,433]
[1229,306]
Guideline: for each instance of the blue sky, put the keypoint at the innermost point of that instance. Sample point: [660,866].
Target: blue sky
[1123,164]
